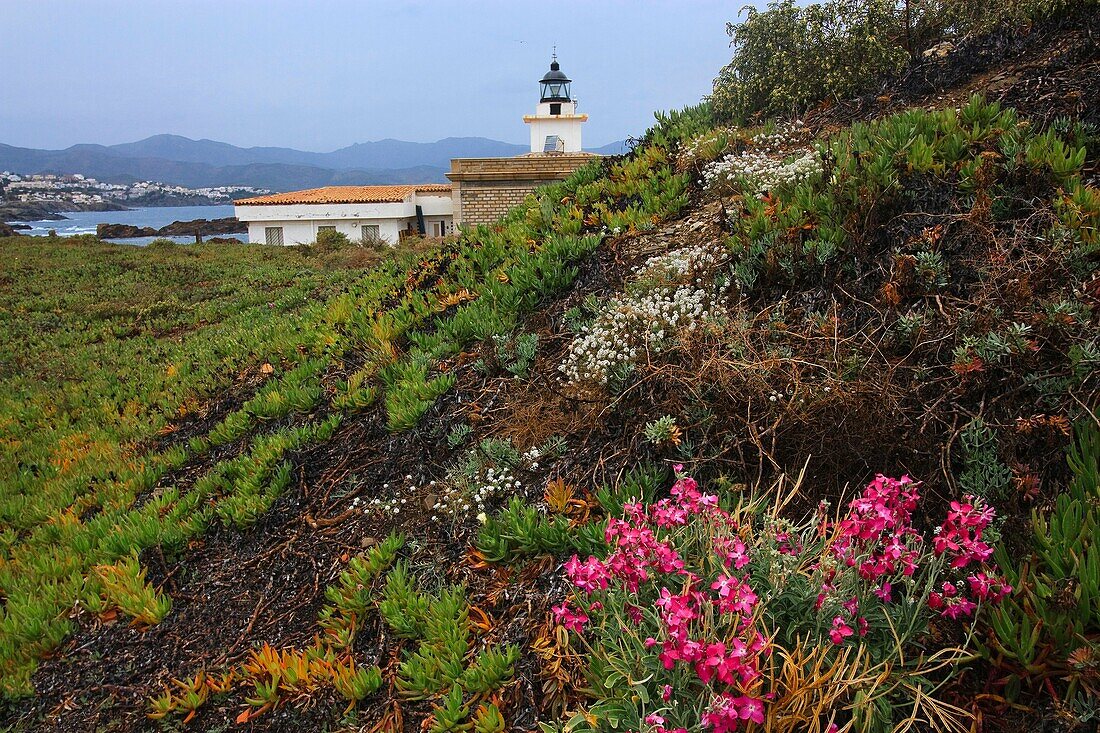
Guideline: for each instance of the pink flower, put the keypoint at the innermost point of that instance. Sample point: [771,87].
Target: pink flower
[572,620]
[750,708]
[714,656]
[589,576]
[726,665]
[960,537]
[950,602]
[988,588]
[840,631]
[726,586]
[667,514]
[722,716]
[876,534]
[737,555]
[726,712]
[635,511]
[959,608]
[666,559]
[734,596]
[786,545]
[666,693]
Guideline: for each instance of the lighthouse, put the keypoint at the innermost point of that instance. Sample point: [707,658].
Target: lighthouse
[485,189]
[555,126]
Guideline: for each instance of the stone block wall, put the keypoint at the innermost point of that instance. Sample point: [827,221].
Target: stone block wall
[484,189]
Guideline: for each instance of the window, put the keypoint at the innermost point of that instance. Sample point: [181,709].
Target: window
[555,108]
[440,228]
[326,228]
[273,235]
[370,233]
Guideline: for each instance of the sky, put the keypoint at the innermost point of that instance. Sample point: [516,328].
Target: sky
[321,74]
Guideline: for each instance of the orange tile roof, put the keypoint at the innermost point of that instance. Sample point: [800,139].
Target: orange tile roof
[346,195]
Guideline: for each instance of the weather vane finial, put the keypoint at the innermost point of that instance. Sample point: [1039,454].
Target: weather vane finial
[555,54]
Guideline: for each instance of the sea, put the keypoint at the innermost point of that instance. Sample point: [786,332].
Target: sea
[84,222]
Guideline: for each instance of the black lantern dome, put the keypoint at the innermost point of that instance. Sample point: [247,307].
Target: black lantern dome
[555,85]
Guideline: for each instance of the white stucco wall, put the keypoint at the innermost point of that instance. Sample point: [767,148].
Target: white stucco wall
[435,204]
[301,222]
[305,232]
[567,108]
[306,212]
[568,128]
[437,208]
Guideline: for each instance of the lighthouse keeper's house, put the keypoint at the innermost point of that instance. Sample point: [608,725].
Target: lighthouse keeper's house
[368,213]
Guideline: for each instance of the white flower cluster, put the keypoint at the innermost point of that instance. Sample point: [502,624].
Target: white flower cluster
[670,293]
[690,262]
[762,171]
[779,157]
[531,458]
[705,145]
[781,138]
[394,504]
[460,497]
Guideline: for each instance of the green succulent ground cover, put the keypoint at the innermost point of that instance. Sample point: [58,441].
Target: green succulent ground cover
[384,335]
[103,346]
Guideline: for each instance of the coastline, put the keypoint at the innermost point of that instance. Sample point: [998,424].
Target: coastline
[178,228]
[24,211]
[138,219]
[19,211]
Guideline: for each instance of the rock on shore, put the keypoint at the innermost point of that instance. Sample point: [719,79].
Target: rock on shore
[123,231]
[205,227]
[48,210]
[226,225]
[28,211]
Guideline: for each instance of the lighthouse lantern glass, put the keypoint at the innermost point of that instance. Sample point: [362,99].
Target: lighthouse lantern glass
[557,91]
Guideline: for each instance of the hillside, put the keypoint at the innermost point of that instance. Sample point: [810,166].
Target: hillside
[197,163]
[776,423]
[104,165]
[372,155]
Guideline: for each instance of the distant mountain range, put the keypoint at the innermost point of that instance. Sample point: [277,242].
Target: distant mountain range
[198,163]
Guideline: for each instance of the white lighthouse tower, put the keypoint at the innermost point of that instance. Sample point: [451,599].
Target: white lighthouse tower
[555,126]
